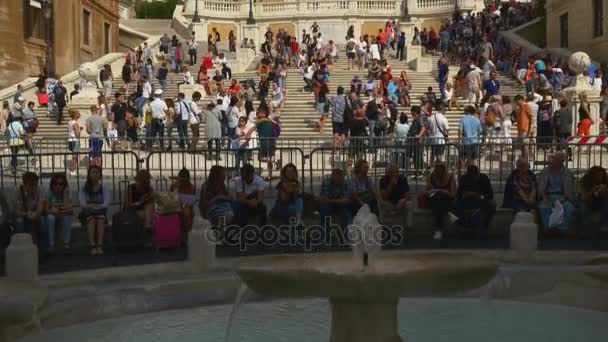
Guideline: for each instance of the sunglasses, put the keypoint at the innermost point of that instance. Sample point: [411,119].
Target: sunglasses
[60,184]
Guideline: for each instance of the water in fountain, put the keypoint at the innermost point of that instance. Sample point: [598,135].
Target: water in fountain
[240,296]
[365,234]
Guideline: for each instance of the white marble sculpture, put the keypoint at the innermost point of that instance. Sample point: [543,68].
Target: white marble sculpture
[88,72]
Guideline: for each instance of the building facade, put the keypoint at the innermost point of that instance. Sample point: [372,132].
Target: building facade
[578,26]
[333,16]
[80,31]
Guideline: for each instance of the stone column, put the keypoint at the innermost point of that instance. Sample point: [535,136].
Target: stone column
[200,30]
[579,62]
[524,235]
[201,245]
[22,258]
[252,31]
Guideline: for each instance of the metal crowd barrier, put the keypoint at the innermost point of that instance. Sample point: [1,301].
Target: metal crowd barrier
[118,168]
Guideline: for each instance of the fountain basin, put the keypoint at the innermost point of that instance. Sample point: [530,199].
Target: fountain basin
[364,299]
[386,278]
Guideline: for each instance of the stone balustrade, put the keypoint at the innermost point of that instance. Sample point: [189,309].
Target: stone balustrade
[239,9]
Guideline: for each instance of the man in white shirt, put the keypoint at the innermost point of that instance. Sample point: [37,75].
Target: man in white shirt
[182,114]
[159,110]
[438,131]
[146,53]
[222,95]
[195,119]
[308,74]
[192,46]
[319,42]
[249,192]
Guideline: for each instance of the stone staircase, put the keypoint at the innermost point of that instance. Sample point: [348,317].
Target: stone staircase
[300,111]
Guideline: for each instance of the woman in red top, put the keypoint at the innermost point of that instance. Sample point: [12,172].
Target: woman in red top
[207,62]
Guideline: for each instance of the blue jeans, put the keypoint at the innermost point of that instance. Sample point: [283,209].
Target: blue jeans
[182,131]
[139,103]
[66,226]
[327,210]
[286,211]
[163,85]
[36,228]
[545,212]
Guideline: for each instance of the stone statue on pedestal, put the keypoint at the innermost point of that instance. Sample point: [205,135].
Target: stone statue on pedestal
[579,63]
[405,11]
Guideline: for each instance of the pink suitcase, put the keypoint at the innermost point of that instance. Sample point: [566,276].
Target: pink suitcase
[167,231]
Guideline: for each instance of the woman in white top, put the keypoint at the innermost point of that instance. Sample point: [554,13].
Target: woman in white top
[597,81]
[375,51]
[362,52]
[278,99]
[221,63]
[188,79]
[74,140]
[16,135]
[245,141]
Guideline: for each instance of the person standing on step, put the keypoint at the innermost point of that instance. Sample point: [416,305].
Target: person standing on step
[96,125]
[400,46]
[351,53]
[182,115]
[192,47]
[119,114]
[338,117]
[159,117]
[61,100]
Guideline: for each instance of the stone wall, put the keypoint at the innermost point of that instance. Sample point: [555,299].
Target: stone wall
[222,28]
[20,57]
[580,27]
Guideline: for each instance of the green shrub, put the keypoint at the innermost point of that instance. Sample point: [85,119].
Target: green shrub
[155,9]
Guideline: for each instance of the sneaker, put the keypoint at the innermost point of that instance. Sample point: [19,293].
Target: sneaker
[438,235]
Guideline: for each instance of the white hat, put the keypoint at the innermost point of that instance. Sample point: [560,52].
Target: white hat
[158,92]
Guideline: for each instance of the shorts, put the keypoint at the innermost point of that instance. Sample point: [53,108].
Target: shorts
[95,147]
[338,128]
[470,151]
[350,55]
[362,53]
[74,146]
[321,108]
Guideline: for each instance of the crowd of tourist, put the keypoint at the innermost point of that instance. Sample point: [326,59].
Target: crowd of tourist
[366,112]
[466,201]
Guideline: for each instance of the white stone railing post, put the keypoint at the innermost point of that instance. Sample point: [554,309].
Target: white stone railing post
[21,261]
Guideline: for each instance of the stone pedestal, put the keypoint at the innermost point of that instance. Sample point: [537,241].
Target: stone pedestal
[408,28]
[189,89]
[200,30]
[412,52]
[201,245]
[524,234]
[353,321]
[252,31]
[22,258]
[422,64]
[579,62]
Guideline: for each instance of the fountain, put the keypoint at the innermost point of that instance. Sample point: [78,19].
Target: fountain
[364,289]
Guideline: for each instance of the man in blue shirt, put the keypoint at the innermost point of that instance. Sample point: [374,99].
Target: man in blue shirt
[469,131]
[334,199]
[491,87]
[400,45]
[442,78]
